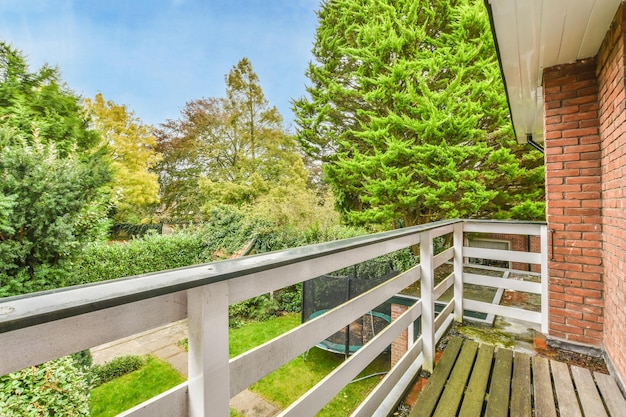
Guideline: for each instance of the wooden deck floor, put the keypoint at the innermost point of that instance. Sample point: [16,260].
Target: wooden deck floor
[480,380]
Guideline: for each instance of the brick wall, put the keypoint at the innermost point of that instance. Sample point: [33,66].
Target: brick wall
[399,346]
[574,212]
[612,98]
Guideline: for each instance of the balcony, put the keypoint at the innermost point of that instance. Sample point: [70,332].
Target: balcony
[44,326]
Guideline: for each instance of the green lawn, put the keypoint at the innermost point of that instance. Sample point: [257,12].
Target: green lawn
[122,393]
[256,333]
[281,387]
[293,379]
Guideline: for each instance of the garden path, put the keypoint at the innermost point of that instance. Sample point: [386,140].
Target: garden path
[163,343]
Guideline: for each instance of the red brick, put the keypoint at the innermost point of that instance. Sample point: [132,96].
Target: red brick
[585,324]
[568,329]
[593,341]
[566,313]
[567,298]
[584,292]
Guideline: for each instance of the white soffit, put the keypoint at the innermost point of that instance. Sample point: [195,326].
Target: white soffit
[535,34]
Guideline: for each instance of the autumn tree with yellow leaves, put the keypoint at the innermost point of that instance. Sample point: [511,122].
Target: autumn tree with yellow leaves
[132,149]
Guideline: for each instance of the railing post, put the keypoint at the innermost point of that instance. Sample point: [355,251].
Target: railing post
[458,272]
[209,376]
[428,304]
[545,279]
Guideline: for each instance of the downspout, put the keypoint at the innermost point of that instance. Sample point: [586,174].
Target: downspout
[531,142]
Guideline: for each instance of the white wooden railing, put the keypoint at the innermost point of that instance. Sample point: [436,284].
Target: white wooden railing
[44,326]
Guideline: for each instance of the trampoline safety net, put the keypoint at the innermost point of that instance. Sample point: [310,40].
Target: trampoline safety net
[328,291]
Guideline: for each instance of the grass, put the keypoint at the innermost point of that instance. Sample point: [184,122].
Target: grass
[256,333]
[281,387]
[122,393]
[293,379]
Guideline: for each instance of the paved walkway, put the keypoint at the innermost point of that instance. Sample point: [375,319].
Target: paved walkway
[163,343]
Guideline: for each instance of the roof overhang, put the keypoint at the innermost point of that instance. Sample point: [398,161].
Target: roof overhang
[531,35]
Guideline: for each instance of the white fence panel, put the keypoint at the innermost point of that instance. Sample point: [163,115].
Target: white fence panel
[253,365]
[41,327]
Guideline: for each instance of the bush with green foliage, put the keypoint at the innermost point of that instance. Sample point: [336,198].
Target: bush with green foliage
[54,189]
[56,388]
[153,252]
[259,308]
[117,367]
[51,207]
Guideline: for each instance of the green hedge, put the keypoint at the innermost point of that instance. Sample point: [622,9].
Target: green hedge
[227,230]
[151,253]
[117,367]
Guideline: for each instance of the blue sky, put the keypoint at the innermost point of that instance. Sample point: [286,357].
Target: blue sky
[155,55]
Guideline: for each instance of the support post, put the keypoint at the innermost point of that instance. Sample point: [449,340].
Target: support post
[458,272]
[209,375]
[545,280]
[428,304]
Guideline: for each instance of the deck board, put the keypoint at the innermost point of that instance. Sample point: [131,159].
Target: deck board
[473,380]
[500,387]
[542,384]
[451,397]
[521,396]
[565,394]
[590,400]
[429,397]
[613,398]
[477,387]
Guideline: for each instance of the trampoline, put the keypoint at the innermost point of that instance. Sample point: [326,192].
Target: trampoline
[329,291]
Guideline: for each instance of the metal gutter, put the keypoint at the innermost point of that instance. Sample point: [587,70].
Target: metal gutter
[495,42]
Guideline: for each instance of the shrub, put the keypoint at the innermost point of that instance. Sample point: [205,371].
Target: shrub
[151,253]
[115,368]
[259,308]
[56,388]
[290,298]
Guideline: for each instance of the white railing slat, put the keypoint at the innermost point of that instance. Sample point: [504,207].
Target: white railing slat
[43,342]
[393,377]
[443,257]
[263,282]
[502,227]
[443,286]
[171,403]
[444,314]
[440,231]
[502,255]
[512,312]
[509,283]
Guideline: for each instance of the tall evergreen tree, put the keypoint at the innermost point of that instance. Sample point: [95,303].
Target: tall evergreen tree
[53,177]
[404,107]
